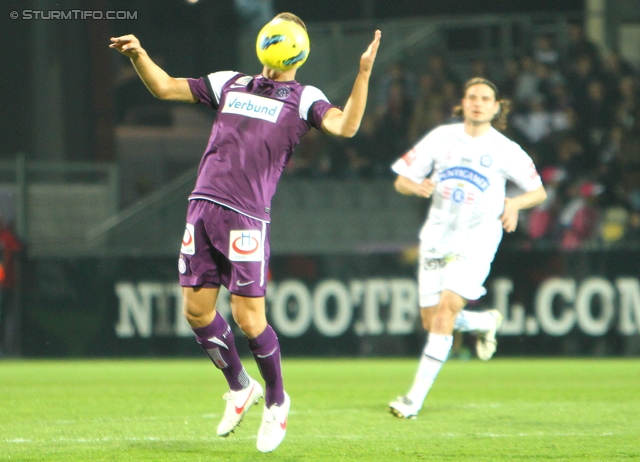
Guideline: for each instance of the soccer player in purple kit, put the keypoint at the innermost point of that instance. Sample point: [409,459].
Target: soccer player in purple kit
[260,119]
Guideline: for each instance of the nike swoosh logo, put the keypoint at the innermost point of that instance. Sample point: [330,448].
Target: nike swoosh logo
[283,425]
[239,410]
[242,284]
[217,341]
[268,354]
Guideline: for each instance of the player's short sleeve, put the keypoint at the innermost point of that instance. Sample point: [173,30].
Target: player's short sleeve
[208,89]
[314,106]
[521,169]
[417,163]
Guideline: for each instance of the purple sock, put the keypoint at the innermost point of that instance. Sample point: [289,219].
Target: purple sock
[218,343]
[266,350]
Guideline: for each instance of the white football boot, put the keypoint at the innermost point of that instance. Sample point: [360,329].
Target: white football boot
[274,426]
[486,342]
[238,403]
[404,408]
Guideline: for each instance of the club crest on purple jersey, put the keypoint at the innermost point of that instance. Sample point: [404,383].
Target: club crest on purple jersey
[283,92]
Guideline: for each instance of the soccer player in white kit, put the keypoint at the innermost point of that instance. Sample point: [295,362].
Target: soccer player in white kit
[464,167]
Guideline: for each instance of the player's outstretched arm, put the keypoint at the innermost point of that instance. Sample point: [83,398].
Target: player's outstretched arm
[347,122]
[513,205]
[159,83]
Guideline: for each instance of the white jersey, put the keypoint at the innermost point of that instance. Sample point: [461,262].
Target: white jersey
[470,175]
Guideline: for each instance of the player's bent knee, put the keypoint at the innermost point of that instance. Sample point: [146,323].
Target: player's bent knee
[198,305]
[252,327]
[451,304]
[249,314]
[426,315]
[427,321]
[193,314]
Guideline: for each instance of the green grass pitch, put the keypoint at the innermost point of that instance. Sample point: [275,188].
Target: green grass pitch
[168,410]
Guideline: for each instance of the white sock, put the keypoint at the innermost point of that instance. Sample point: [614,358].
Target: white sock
[433,357]
[467,321]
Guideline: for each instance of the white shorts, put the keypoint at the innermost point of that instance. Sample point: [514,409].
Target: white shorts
[460,274]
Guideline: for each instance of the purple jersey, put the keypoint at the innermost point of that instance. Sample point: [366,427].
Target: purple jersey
[258,124]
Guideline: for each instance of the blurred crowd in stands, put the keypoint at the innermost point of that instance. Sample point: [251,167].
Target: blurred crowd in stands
[575,110]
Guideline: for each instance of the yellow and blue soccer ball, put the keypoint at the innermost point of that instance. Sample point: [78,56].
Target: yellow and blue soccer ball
[282,45]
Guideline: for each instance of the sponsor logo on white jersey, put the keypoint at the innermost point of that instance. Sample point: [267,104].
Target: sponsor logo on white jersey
[253,106]
[465,174]
[245,245]
[188,242]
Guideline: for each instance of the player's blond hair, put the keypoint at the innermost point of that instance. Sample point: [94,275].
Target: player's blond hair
[500,120]
[291,17]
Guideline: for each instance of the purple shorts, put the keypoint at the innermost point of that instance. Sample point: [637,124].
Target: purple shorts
[224,247]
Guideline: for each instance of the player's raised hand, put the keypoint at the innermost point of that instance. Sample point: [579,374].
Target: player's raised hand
[369,56]
[128,45]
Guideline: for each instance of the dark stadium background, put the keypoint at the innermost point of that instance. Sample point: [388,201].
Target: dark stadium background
[176,16]
[69,107]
